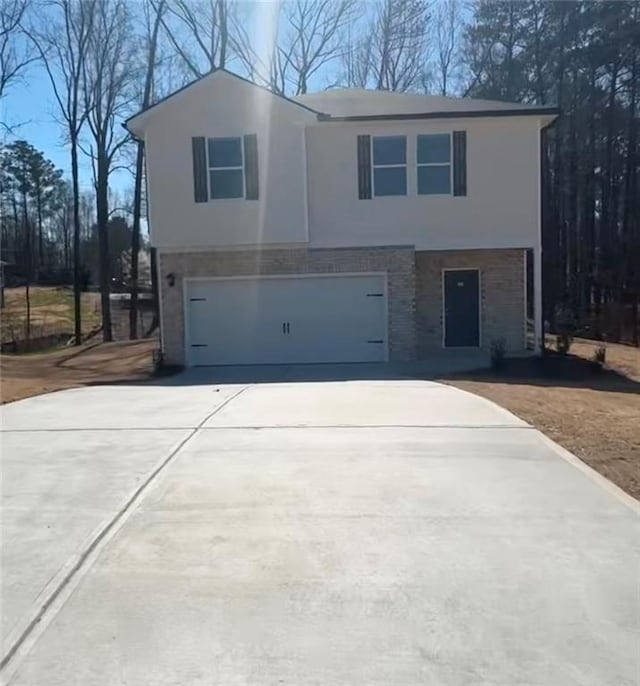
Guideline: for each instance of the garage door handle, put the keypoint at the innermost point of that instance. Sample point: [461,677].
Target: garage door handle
[375,341]
[288,327]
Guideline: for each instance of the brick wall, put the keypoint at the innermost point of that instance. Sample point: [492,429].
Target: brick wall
[502,293]
[398,262]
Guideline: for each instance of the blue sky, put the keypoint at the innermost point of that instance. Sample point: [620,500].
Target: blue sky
[30,108]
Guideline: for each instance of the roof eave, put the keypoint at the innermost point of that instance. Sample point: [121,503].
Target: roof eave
[462,114]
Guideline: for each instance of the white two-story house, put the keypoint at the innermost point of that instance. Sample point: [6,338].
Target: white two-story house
[342,226]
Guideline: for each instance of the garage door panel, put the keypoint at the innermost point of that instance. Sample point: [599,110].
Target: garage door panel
[286,320]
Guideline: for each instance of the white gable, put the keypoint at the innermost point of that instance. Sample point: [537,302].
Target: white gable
[217,89]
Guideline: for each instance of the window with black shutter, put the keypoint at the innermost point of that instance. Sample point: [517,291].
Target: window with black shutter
[225,168]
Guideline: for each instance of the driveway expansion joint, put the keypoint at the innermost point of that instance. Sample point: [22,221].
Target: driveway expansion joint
[82,558]
[367,426]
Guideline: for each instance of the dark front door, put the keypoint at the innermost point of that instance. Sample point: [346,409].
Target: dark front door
[461,308]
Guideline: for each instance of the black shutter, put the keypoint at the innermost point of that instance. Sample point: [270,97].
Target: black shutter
[459,162]
[252,189]
[200,186]
[364,167]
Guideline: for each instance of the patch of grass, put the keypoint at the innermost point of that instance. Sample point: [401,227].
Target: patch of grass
[52,312]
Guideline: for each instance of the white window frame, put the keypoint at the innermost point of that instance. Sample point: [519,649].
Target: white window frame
[375,166]
[435,164]
[241,167]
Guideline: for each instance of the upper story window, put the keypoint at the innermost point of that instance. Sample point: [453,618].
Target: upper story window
[390,165]
[226,167]
[434,164]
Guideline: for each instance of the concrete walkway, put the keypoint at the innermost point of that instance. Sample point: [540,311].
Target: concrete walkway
[381,531]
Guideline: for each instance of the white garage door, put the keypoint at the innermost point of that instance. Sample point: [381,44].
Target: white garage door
[286,320]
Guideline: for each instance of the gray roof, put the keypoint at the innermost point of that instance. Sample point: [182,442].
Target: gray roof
[356,102]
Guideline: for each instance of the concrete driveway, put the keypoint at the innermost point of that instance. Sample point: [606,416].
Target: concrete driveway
[388,531]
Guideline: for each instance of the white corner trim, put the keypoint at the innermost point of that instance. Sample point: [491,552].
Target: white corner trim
[538,326]
[526,302]
[159,303]
[305,180]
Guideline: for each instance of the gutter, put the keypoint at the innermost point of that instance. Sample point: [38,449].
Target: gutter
[463,114]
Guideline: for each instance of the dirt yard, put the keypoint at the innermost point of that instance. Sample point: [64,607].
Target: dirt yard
[22,376]
[594,414]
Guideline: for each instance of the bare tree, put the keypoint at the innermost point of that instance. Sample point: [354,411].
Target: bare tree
[109,71]
[199,33]
[62,41]
[394,48]
[313,38]
[448,31]
[298,39]
[137,190]
[261,56]
[15,55]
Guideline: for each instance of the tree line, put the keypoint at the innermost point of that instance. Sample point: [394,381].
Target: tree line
[106,59]
[36,207]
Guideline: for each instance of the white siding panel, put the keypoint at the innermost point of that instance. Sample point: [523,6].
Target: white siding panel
[226,107]
[500,209]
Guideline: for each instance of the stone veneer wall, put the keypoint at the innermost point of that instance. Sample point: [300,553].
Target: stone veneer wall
[397,262]
[502,293]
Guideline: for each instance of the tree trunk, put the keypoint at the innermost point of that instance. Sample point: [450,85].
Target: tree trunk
[102,213]
[608,218]
[135,243]
[589,217]
[630,243]
[16,228]
[137,192]
[28,247]
[27,296]
[224,32]
[65,237]
[77,315]
[40,239]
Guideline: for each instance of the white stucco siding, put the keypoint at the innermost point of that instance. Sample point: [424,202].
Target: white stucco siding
[227,107]
[500,209]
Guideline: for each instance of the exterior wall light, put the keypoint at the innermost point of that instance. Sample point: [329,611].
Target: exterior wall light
[171,279]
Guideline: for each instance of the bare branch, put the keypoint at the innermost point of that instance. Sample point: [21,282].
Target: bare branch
[199,33]
[313,37]
[448,30]
[393,49]
[15,55]
[261,59]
